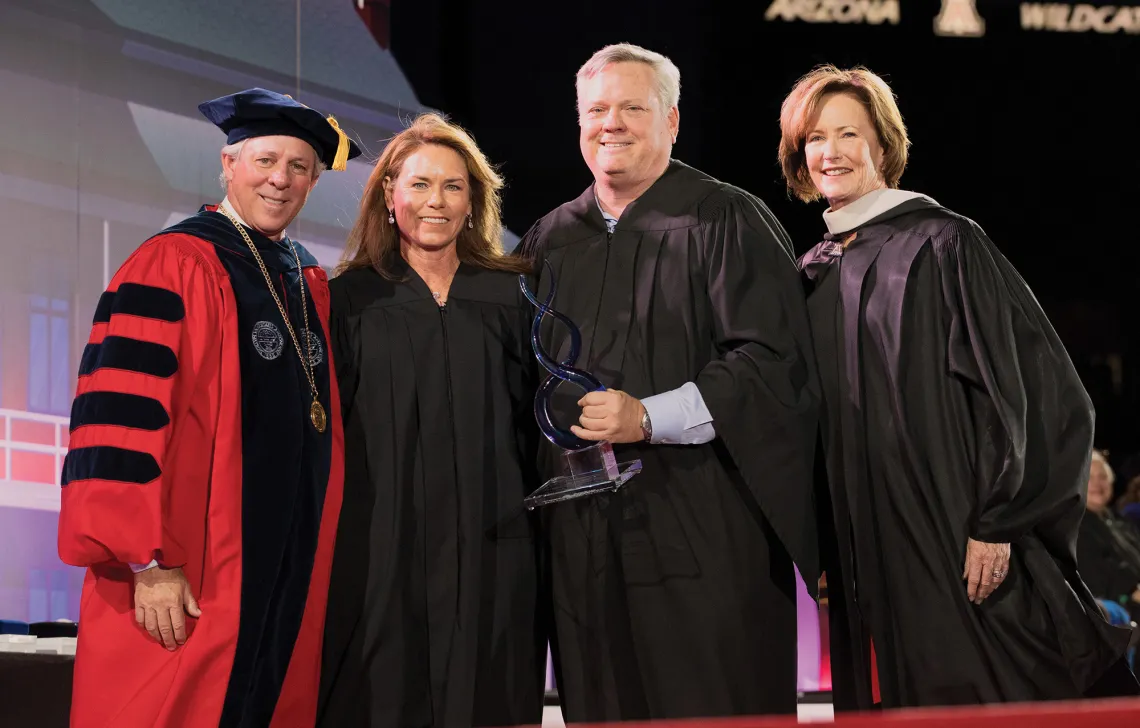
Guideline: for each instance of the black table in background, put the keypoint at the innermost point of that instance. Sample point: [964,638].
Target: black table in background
[35,690]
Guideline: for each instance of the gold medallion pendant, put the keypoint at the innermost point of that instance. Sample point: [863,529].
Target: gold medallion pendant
[317,415]
[316,411]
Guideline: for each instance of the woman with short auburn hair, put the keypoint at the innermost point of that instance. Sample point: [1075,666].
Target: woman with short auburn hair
[955,430]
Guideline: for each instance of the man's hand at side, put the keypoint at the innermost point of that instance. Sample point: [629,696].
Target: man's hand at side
[160,596]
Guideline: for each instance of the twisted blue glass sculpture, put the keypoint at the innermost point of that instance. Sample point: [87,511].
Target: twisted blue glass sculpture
[588,467]
[563,371]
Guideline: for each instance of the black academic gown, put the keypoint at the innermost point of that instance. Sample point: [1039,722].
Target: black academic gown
[952,411]
[675,597]
[433,607]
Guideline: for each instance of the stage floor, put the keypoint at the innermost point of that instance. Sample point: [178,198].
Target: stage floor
[808,713]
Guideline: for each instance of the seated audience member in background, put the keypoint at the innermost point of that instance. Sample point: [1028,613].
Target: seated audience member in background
[955,429]
[1108,546]
[1128,504]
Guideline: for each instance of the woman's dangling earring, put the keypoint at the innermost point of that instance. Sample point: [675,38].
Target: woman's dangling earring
[470,224]
[391,218]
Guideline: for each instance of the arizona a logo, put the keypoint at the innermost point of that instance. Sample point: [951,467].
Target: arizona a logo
[959,18]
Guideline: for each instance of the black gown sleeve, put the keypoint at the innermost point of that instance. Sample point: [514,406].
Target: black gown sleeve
[532,246]
[527,432]
[1033,419]
[342,340]
[761,389]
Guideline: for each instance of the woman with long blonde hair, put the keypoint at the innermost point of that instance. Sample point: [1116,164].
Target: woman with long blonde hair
[433,606]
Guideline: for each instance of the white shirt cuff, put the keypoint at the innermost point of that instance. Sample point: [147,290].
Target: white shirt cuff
[680,417]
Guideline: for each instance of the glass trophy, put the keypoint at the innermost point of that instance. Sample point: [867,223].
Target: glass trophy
[587,467]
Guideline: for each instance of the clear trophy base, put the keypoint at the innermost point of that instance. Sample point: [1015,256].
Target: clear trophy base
[589,471]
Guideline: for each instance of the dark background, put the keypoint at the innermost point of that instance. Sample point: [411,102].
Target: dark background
[1024,131]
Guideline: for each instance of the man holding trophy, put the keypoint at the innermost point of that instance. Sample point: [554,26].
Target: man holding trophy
[673,593]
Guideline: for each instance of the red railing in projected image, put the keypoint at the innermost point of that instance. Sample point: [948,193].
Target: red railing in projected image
[32,448]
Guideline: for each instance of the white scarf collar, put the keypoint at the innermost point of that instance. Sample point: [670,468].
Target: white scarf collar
[866,208]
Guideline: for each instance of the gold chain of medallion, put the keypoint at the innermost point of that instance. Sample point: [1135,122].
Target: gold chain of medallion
[316,411]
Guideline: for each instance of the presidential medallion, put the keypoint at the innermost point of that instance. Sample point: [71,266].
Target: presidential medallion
[317,415]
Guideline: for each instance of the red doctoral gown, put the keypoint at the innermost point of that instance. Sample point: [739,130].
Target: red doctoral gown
[191,443]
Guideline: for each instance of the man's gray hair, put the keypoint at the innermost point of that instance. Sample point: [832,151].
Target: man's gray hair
[666,75]
[233,150]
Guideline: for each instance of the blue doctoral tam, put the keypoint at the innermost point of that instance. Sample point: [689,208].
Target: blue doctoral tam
[256,112]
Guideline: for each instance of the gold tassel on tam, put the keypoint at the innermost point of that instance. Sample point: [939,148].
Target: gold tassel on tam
[340,161]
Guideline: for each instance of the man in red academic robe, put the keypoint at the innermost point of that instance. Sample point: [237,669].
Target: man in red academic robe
[203,483]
